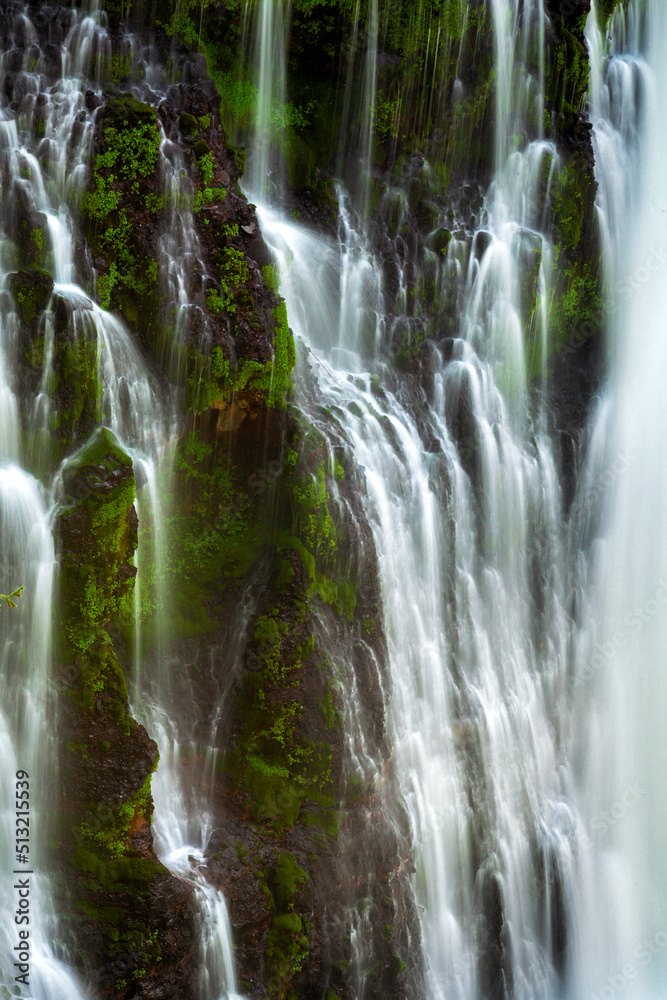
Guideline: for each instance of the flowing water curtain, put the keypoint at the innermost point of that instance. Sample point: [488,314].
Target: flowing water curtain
[619,668]
[270,113]
[478,683]
[27,543]
[119,389]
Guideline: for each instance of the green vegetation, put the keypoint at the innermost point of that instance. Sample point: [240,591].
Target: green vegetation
[109,828]
[10,599]
[132,142]
[214,379]
[98,538]
[208,196]
[287,940]
[32,290]
[92,577]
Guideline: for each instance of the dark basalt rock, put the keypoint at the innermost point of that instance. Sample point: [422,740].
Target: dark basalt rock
[293,859]
[31,288]
[129,920]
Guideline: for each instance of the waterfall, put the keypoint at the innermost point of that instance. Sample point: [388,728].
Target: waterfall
[463,497]
[27,555]
[463,707]
[26,545]
[266,167]
[142,413]
[624,624]
[523,691]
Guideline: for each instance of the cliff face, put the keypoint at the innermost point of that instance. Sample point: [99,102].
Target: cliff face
[262,566]
[267,620]
[127,918]
[431,142]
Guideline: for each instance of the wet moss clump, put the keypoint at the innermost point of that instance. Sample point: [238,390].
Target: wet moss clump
[31,289]
[114,885]
[99,528]
[124,181]
[215,378]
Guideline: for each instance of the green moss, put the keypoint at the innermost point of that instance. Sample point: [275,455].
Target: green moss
[118,67]
[605,9]
[568,204]
[74,382]
[31,289]
[286,772]
[577,311]
[287,877]
[91,577]
[129,159]
[271,277]
[214,379]
[286,949]
[113,874]
[102,450]
[567,84]
[333,718]
[208,196]
[188,124]
[111,832]
[275,761]
[205,162]
[287,939]
[215,530]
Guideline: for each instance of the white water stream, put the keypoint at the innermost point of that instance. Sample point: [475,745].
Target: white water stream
[527,746]
[47,175]
[511,777]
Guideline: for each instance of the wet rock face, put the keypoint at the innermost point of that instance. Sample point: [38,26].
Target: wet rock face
[299,849]
[31,289]
[129,918]
[239,304]
[261,687]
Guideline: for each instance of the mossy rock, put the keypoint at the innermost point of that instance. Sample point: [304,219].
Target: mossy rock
[606,9]
[31,288]
[125,111]
[98,529]
[201,148]
[32,238]
[568,202]
[188,124]
[439,241]
[239,157]
[101,450]
[529,255]
[427,214]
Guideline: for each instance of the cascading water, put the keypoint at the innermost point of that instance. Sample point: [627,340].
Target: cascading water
[143,420]
[265,167]
[27,552]
[623,621]
[464,500]
[504,766]
[26,541]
